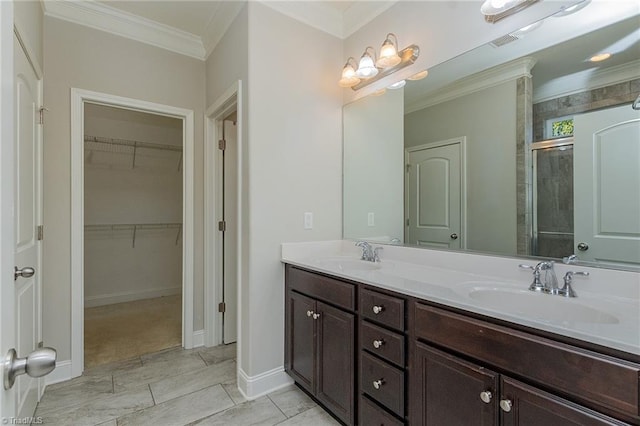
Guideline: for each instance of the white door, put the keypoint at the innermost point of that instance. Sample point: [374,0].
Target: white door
[434,195]
[27,207]
[230,277]
[606,185]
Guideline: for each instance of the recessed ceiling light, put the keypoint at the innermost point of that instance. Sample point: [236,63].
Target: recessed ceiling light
[600,57]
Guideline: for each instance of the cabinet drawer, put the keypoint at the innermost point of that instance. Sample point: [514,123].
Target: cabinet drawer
[383,309]
[600,380]
[327,289]
[388,379]
[390,345]
[372,415]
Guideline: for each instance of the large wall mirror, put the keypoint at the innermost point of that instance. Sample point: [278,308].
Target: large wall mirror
[519,147]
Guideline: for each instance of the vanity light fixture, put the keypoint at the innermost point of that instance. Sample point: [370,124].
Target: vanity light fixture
[366,67]
[349,77]
[397,85]
[419,75]
[389,52]
[495,10]
[370,70]
[600,57]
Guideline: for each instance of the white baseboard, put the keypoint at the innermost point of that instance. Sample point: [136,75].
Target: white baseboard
[61,373]
[110,299]
[252,387]
[198,338]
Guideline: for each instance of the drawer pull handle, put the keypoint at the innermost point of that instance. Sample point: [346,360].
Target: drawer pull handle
[506,405]
[486,397]
[378,383]
[377,309]
[310,313]
[316,316]
[378,343]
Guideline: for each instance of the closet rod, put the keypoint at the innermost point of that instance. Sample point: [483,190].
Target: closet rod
[134,227]
[132,143]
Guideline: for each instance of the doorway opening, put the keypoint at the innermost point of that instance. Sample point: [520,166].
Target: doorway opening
[120,224]
[132,233]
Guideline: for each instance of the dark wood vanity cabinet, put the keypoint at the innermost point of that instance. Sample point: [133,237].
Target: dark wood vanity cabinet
[413,362]
[320,340]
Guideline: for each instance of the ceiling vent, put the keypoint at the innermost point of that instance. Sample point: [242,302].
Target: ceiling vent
[505,39]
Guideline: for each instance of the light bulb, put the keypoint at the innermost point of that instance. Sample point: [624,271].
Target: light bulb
[388,53]
[419,75]
[397,85]
[366,68]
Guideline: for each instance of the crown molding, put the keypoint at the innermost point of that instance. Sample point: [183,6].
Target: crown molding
[474,83]
[220,22]
[586,80]
[106,18]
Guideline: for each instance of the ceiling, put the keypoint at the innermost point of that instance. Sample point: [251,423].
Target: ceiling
[194,28]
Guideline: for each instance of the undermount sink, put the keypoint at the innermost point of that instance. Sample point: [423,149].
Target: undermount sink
[349,264]
[540,306]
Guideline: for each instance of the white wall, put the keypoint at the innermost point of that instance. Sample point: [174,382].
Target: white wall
[488,119]
[28,19]
[76,56]
[373,181]
[115,192]
[295,151]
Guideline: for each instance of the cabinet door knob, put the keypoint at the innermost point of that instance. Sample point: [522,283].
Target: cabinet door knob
[377,309]
[378,343]
[316,316]
[506,405]
[378,383]
[309,313]
[486,396]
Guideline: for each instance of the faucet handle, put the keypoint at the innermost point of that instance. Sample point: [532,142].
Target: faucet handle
[567,290]
[376,253]
[569,259]
[523,266]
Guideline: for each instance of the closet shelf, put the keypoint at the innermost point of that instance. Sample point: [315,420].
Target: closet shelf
[133,146]
[134,228]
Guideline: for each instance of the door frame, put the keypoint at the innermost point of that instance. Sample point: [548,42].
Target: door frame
[229,101]
[462,141]
[78,98]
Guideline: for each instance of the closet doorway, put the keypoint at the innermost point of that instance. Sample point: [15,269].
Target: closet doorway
[132,233]
[132,230]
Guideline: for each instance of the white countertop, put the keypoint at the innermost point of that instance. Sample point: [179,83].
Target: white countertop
[606,311]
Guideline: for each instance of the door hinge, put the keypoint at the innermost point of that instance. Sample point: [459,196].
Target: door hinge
[407,222]
[408,167]
[222,144]
[40,231]
[41,116]
[222,307]
[222,226]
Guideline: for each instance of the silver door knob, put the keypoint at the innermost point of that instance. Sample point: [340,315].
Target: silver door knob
[378,383]
[316,316]
[486,397]
[583,246]
[378,343]
[39,363]
[454,236]
[506,405]
[309,313]
[26,272]
[377,309]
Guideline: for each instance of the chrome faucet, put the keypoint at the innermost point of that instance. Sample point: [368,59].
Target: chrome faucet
[369,253]
[548,284]
[567,290]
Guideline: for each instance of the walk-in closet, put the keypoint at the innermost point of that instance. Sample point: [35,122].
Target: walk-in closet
[133,207]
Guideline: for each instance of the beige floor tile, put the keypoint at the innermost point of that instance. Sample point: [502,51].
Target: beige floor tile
[315,416]
[234,392]
[182,410]
[262,412]
[75,394]
[174,387]
[218,353]
[291,400]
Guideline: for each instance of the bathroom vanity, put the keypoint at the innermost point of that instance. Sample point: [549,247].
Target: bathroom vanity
[375,345]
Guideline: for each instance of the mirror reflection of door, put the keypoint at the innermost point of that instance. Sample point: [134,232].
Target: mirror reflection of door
[435,190]
[607,182]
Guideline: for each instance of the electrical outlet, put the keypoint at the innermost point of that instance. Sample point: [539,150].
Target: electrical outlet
[308,220]
[371,219]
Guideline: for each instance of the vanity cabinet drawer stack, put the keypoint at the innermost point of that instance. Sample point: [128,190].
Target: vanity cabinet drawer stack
[382,358]
[320,339]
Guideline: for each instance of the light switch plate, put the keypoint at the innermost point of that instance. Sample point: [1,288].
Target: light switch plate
[308,220]
[371,219]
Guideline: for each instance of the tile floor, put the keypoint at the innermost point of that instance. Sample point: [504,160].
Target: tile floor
[174,387]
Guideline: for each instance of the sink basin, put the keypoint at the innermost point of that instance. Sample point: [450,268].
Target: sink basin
[349,264]
[540,306]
